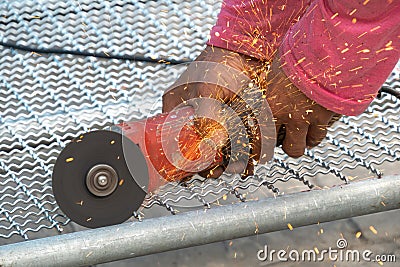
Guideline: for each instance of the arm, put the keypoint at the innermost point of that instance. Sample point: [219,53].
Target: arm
[256,28]
[341,52]
[338,53]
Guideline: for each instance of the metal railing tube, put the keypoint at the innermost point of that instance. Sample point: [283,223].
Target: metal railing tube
[206,226]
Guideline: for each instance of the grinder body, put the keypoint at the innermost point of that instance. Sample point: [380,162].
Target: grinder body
[172,147]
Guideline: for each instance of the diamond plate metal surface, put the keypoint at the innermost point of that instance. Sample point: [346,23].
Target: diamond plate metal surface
[46,100]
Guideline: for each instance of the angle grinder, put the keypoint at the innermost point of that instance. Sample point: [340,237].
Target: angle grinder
[102,177]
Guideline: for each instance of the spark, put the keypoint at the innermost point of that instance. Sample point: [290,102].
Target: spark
[385,49]
[358,235]
[282,7]
[375,28]
[357,68]
[256,231]
[373,230]
[290,227]
[353,11]
[192,225]
[337,23]
[345,50]
[361,35]
[79,5]
[366,50]
[334,15]
[294,35]
[323,58]
[383,59]
[69,159]
[300,61]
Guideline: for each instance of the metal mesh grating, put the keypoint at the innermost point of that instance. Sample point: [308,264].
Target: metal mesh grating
[47,100]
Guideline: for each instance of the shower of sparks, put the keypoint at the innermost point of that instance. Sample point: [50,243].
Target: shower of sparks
[256,30]
[206,131]
[262,25]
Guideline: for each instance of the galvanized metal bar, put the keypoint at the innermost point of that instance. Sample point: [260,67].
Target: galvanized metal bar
[206,226]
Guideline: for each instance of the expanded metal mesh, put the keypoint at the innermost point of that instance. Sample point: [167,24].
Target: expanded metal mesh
[46,100]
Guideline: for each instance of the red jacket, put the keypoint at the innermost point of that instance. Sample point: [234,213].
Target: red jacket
[337,52]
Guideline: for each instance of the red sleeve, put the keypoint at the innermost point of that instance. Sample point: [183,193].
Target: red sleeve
[341,52]
[255,27]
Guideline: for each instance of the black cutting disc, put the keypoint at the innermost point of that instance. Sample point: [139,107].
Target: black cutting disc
[92,183]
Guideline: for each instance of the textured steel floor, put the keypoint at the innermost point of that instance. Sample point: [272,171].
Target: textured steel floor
[46,100]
